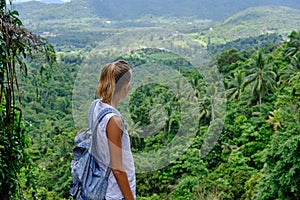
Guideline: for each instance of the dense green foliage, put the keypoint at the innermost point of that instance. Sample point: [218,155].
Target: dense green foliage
[16,44]
[256,155]
[244,44]
[260,134]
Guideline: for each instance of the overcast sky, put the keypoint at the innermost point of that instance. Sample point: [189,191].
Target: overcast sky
[20,1]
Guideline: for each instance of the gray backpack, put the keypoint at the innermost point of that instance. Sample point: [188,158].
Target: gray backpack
[88,182]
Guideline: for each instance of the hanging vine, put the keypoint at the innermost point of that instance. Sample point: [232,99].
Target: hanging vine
[16,45]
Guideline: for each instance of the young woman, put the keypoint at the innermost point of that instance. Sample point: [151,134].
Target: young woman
[112,142]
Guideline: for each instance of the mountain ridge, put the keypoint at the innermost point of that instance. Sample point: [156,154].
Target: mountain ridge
[132,9]
[256,21]
[77,24]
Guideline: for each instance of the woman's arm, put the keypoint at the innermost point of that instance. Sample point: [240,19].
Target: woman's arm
[114,134]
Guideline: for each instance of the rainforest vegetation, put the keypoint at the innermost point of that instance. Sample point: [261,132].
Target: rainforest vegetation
[242,140]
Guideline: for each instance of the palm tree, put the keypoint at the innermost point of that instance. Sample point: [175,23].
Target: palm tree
[235,85]
[293,45]
[167,110]
[135,133]
[214,95]
[292,56]
[295,62]
[260,76]
[287,70]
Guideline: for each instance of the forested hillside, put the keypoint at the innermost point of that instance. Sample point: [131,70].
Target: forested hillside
[213,112]
[255,156]
[65,27]
[255,22]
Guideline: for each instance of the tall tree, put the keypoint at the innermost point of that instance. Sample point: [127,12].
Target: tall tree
[235,85]
[260,75]
[16,45]
[293,46]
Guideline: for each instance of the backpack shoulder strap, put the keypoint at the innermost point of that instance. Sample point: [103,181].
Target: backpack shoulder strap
[100,116]
[91,111]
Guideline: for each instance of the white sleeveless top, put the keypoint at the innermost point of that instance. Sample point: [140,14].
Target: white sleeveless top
[102,155]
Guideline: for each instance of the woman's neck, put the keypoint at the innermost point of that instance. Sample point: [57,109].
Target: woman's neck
[114,102]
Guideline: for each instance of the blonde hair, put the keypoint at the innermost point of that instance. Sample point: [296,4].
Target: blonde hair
[113,77]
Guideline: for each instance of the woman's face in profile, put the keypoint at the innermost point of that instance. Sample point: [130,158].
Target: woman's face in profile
[126,88]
